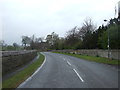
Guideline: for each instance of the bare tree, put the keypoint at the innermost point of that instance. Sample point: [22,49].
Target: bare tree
[49,39]
[26,41]
[87,26]
[72,33]
[15,45]
[2,43]
[72,38]
[52,38]
[86,33]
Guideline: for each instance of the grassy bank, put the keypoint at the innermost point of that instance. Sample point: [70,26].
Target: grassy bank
[95,59]
[18,78]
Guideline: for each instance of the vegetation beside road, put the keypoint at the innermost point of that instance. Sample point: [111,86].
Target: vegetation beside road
[18,78]
[95,59]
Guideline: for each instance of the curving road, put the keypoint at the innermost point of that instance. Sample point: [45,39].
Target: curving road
[62,71]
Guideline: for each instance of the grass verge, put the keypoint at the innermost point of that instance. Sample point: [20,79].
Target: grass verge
[95,59]
[18,78]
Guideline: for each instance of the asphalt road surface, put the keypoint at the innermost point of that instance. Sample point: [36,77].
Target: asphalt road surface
[62,71]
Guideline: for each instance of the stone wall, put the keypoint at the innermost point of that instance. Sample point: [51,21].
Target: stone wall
[114,54]
[11,60]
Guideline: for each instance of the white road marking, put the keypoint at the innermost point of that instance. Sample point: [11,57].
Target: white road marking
[32,75]
[78,75]
[75,71]
[68,63]
[63,58]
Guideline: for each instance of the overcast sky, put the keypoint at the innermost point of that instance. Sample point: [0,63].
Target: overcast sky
[42,17]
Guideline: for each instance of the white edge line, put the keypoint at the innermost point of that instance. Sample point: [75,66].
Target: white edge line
[78,75]
[23,83]
[69,63]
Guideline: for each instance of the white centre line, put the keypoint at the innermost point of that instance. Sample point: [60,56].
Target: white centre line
[78,75]
[68,63]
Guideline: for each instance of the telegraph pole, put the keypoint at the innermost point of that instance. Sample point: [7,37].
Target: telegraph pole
[108,46]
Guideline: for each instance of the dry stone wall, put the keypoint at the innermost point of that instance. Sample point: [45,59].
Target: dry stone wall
[114,54]
[11,60]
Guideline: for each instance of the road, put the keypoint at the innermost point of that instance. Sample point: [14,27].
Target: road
[62,71]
